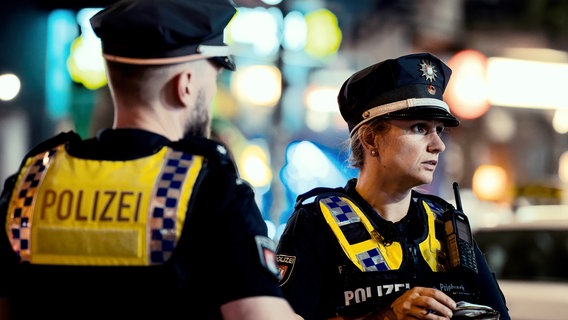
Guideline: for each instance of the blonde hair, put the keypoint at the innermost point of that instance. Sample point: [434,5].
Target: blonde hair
[357,153]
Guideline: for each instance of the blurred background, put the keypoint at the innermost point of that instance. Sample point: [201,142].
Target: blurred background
[278,111]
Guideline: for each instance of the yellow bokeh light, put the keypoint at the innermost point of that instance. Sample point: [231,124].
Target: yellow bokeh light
[85,64]
[254,166]
[323,33]
[259,85]
[490,183]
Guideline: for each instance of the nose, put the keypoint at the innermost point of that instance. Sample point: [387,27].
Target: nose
[436,144]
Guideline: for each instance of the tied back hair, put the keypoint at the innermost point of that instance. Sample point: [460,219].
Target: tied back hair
[356,157]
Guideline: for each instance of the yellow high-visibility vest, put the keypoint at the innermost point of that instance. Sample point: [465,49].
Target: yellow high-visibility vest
[373,254]
[71,211]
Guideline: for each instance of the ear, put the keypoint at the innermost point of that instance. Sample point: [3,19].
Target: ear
[367,137]
[183,87]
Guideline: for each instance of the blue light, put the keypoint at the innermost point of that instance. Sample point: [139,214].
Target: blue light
[61,30]
[308,166]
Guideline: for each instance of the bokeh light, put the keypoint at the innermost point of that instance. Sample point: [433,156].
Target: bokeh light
[9,86]
[490,183]
[257,85]
[467,90]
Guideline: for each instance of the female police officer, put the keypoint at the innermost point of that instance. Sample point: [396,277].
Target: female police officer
[149,219]
[377,248]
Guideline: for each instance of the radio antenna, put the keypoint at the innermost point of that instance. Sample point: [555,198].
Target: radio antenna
[457,196]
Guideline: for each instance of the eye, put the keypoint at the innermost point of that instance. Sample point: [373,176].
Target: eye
[425,128]
[419,128]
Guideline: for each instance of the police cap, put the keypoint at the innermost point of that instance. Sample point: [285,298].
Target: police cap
[165,31]
[409,87]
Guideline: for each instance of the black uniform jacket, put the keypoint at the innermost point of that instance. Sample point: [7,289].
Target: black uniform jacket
[222,253]
[320,281]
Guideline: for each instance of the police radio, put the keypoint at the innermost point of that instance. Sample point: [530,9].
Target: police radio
[459,239]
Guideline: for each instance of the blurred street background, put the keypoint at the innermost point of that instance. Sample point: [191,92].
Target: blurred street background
[278,111]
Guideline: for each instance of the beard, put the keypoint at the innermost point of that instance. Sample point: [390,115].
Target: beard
[199,123]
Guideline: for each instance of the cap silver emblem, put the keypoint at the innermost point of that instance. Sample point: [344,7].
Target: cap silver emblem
[428,70]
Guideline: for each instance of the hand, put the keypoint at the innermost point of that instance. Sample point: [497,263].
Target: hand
[423,303]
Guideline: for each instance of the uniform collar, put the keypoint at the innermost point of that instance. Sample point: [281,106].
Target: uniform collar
[132,139]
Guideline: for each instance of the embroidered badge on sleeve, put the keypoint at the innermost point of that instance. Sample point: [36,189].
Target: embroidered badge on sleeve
[285,266]
[266,251]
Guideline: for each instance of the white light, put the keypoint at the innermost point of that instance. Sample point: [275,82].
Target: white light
[560,121]
[271,228]
[295,31]
[536,54]
[279,231]
[563,167]
[322,99]
[527,84]
[88,55]
[257,29]
[272,2]
[9,86]
[321,95]
[255,167]
[256,171]
[318,121]
[257,85]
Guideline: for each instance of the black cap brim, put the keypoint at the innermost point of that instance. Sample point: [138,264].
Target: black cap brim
[424,112]
[226,62]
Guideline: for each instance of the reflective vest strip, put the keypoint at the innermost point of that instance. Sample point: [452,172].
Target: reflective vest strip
[178,171]
[18,223]
[369,255]
[431,246]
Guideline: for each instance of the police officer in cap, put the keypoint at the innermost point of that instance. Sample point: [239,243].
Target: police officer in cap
[378,247]
[148,219]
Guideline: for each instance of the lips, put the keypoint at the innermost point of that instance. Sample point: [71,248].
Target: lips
[431,164]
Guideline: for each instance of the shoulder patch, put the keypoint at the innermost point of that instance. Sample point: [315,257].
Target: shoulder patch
[285,266]
[266,253]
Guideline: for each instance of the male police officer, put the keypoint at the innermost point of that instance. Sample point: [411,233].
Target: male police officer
[149,218]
